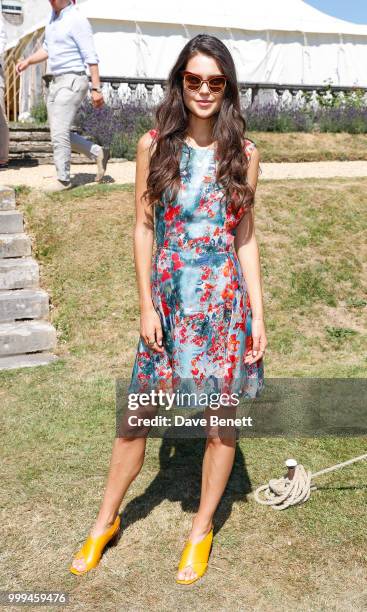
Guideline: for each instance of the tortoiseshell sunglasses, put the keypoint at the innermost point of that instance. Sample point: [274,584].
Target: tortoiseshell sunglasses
[193,82]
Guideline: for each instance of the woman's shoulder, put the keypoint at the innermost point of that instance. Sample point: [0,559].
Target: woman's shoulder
[146,140]
[249,147]
[153,133]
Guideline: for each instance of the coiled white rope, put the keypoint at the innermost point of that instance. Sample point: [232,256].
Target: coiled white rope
[295,487]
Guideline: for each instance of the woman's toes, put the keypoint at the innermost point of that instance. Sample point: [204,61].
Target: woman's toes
[187,574]
[79,564]
[190,574]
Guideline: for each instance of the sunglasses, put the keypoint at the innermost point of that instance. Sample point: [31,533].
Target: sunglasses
[193,82]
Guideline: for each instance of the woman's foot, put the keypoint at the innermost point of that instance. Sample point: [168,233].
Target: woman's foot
[199,530]
[98,529]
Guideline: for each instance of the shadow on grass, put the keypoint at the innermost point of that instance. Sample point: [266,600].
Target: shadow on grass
[85,178]
[179,480]
[82,192]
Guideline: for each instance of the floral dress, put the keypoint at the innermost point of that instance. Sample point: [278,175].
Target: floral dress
[198,290]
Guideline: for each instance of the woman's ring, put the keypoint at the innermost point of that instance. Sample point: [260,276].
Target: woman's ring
[151,342]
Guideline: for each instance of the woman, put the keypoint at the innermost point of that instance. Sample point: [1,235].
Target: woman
[200,173]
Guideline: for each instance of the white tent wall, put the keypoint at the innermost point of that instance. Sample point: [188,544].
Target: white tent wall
[342,58]
[149,50]
[282,15]
[283,42]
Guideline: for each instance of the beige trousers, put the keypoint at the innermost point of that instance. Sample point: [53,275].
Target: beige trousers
[65,95]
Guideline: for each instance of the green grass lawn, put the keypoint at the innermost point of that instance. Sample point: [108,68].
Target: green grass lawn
[58,420]
[307,147]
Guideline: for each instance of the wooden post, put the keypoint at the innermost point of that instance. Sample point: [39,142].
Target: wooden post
[15,100]
[7,90]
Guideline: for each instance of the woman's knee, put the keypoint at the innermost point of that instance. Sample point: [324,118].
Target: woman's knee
[126,441]
[220,439]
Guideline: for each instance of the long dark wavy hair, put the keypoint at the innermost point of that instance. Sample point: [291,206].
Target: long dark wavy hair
[171,122]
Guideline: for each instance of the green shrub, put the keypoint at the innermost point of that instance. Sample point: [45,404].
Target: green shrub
[39,111]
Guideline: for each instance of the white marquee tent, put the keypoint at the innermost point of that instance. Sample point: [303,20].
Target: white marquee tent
[285,42]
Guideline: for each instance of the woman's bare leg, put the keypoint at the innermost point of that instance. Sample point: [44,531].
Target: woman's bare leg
[217,466]
[126,462]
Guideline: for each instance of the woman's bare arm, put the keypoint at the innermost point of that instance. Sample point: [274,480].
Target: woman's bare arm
[150,327]
[248,254]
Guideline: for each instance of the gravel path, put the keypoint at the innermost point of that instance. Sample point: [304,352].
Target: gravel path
[124,172]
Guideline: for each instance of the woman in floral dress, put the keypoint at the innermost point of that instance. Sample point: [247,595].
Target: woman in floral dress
[201,307]
[198,289]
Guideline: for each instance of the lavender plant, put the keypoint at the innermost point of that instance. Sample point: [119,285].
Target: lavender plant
[117,126]
[346,118]
[120,125]
[272,118]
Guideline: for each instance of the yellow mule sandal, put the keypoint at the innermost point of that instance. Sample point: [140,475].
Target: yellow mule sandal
[196,556]
[92,549]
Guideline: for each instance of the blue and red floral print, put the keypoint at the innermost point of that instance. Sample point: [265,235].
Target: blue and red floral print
[198,289]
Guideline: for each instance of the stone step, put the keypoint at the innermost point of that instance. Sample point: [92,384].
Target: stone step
[7,198]
[22,337]
[23,304]
[29,136]
[11,222]
[31,147]
[27,361]
[15,245]
[44,158]
[19,273]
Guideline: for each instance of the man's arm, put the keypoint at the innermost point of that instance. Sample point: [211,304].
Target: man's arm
[82,34]
[39,56]
[97,96]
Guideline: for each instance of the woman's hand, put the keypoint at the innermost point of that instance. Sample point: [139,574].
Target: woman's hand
[151,329]
[259,341]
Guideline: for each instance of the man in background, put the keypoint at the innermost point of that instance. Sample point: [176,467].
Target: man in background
[69,47]
[4,130]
